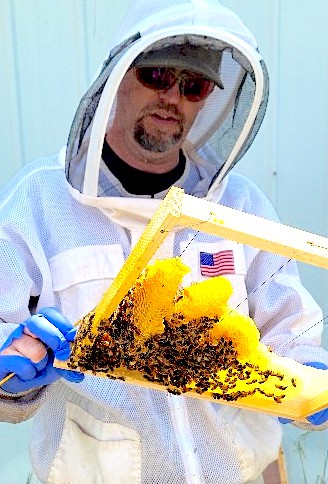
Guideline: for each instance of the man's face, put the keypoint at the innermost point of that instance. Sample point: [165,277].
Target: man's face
[159,127]
[149,121]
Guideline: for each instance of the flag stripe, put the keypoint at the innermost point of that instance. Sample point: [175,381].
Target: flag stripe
[217,264]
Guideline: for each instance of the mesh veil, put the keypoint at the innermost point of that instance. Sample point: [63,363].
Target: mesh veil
[230,119]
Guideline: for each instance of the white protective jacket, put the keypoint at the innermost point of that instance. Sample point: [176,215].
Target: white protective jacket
[66,227]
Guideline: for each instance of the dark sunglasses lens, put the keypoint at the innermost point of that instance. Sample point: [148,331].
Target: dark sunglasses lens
[158,78]
[194,87]
[197,88]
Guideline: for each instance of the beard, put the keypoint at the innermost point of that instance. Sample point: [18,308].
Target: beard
[158,141]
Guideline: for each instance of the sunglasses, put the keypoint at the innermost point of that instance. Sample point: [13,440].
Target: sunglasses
[194,87]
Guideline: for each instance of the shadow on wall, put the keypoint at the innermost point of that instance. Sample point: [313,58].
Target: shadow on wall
[309,464]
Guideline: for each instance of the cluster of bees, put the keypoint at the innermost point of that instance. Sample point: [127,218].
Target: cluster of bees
[182,359]
[152,334]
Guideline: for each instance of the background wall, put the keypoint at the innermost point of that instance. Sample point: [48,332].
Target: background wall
[289,158]
[50,50]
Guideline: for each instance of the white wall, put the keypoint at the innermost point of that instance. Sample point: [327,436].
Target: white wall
[50,51]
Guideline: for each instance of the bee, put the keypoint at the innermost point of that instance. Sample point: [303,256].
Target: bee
[280,387]
[250,382]
[293,382]
[224,388]
[263,381]
[261,391]
[279,398]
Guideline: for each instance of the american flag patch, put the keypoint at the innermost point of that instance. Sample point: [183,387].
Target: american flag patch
[217,264]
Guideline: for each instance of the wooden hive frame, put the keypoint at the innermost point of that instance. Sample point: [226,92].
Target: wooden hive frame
[179,210]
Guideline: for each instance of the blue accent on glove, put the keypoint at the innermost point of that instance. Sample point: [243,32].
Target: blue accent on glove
[319,417]
[52,329]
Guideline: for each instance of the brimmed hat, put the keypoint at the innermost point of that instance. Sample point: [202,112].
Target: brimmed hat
[203,60]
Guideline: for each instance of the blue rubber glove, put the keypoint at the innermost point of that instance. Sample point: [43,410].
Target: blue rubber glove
[319,417]
[55,332]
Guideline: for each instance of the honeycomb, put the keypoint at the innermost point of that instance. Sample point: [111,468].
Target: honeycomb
[187,339]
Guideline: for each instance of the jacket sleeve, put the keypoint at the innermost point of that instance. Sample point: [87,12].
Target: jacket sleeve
[19,280]
[18,408]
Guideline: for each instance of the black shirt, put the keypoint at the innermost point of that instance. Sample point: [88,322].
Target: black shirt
[139,182]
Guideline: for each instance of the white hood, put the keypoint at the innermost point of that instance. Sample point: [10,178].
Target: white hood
[230,118]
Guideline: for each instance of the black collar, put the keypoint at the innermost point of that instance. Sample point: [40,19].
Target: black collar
[139,182]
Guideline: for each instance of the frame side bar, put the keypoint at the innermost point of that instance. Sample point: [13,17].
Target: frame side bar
[163,220]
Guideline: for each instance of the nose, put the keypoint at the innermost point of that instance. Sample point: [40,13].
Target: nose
[171,95]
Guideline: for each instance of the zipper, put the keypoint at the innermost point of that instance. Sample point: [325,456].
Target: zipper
[180,421]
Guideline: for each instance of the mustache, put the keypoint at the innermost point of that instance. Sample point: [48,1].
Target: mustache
[163,106]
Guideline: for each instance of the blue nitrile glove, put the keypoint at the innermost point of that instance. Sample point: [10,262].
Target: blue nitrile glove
[319,417]
[55,332]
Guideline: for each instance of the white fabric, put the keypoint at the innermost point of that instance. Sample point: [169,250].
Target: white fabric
[95,452]
[65,238]
[64,248]
[180,423]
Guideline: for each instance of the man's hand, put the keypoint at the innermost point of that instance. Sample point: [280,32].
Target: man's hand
[319,417]
[30,350]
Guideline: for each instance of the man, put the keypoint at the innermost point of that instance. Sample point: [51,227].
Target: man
[179,101]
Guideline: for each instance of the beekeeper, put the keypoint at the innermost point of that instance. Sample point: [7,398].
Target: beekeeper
[178,102]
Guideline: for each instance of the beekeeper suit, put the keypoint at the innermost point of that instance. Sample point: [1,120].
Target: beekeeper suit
[69,221]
